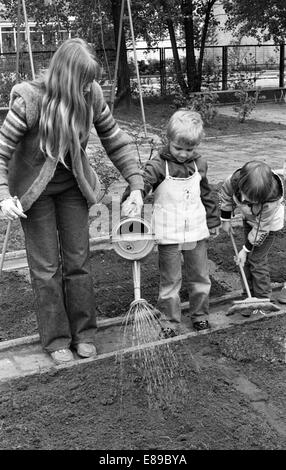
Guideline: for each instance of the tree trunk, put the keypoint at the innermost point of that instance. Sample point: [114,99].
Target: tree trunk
[204,37]
[193,78]
[123,76]
[177,63]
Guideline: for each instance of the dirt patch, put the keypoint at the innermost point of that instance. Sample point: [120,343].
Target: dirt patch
[113,284]
[109,404]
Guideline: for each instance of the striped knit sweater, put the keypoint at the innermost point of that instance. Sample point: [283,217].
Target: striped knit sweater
[24,170]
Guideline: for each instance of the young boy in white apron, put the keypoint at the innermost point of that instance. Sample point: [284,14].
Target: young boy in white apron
[184,216]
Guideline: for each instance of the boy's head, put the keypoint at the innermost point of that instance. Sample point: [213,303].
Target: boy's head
[255,182]
[184,132]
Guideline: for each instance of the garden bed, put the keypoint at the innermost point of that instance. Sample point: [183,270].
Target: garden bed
[225,391]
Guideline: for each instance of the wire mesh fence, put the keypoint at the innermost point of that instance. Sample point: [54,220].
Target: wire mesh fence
[224,68]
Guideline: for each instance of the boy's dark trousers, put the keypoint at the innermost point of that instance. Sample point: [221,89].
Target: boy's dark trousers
[256,267]
[197,279]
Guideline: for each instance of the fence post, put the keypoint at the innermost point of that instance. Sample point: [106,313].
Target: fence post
[224,67]
[282,65]
[162,71]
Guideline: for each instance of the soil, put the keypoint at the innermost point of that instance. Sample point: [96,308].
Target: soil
[224,390]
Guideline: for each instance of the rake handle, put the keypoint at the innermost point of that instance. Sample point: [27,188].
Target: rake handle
[240,267]
[4,249]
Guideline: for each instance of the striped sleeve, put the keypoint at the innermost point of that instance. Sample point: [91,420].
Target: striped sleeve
[11,132]
[119,147]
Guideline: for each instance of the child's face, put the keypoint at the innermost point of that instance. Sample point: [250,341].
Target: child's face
[245,199]
[181,150]
[87,88]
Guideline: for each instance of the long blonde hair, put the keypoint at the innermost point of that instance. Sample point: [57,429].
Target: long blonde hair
[67,113]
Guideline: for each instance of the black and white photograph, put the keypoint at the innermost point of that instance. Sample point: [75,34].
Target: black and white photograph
[142,224]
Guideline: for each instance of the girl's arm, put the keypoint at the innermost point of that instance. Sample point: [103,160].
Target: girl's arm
[11,132]
[119,147]
[153,174]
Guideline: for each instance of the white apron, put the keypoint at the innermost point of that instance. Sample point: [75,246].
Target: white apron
[179,215]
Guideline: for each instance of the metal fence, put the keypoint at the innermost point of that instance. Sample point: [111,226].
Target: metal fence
[224,67]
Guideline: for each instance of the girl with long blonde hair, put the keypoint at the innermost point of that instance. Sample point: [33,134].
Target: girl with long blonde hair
[46,179]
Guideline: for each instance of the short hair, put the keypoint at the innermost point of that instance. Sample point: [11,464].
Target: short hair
[185,126]
[256,181]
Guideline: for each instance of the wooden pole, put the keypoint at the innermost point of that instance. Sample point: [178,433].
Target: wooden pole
[117,57]
[136,66]
[18,42]
[28,39]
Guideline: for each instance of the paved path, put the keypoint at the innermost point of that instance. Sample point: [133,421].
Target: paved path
[226,154]
[266,112]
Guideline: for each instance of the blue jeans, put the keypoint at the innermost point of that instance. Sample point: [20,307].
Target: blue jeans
[57,244]
[256,267]
[197,277]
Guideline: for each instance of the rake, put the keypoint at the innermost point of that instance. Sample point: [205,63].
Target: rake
[251,304]
[5,244]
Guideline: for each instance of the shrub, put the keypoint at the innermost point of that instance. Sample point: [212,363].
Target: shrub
[247,103]
[7,80]
[203,103]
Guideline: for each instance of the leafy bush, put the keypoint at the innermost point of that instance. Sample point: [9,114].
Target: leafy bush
[7,80]
[203,103]
[247,103]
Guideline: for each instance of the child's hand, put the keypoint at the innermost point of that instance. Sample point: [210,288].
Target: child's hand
[241,258]
[132,206]
[214,232]
[226,226]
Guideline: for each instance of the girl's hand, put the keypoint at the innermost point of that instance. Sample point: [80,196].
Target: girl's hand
[132,206]
[241,258]
[226,226]
[12,208]
[214,232]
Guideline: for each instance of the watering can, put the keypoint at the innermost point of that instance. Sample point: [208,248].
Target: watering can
[132,238]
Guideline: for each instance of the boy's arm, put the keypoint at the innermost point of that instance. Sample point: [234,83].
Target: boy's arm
[226,204]
[226,201]
[208,200]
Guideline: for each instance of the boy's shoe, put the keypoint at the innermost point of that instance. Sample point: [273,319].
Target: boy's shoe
[282,296]
[61,356]
[167,332]
[86,350]
[201,325]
